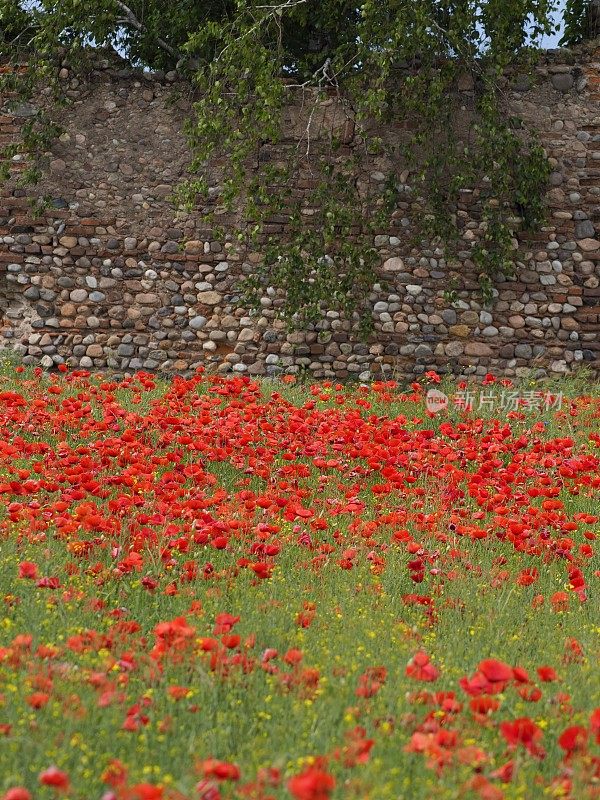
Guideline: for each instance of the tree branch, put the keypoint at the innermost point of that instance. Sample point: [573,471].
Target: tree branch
[283,6]
[132,20]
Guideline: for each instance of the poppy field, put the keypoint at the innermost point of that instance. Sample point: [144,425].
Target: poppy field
[213,588]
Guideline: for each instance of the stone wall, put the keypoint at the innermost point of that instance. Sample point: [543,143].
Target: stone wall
[110,276]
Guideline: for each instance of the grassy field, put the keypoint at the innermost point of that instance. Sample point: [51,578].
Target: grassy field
[215,588]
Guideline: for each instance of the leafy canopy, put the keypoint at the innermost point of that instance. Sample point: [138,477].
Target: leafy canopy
[582,21]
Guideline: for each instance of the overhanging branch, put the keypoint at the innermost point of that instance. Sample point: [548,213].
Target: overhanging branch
[283,6]
[131,20]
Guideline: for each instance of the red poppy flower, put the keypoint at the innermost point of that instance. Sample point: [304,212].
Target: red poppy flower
[27,569]
[505,773]
[231,641]
[547,674]
[17,793]
[224,622]
[115,774]
[421,669]
[178,692]
[484,705]
[147,791]
[293,656]
[595,721]
[560,601]
[54,777]
[221,770]
[371,681]
[38,699]
[525,732]
[573,738]
[496,671]
[312,784]
[520,675]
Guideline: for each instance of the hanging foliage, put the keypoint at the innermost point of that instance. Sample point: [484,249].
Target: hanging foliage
[582,21]
[429,69]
